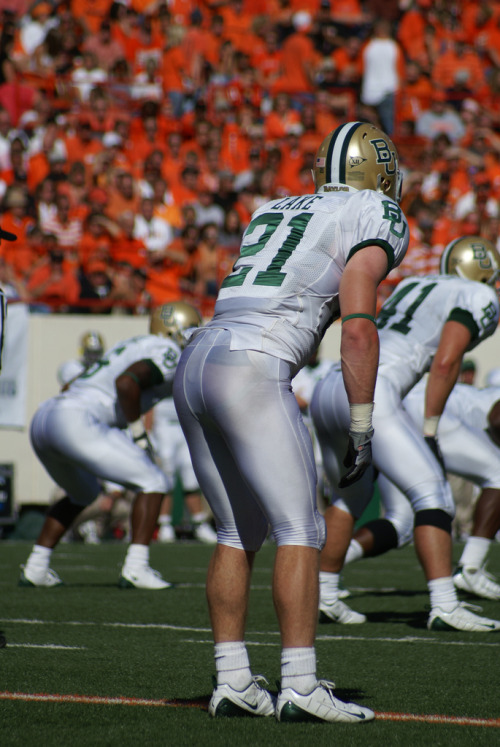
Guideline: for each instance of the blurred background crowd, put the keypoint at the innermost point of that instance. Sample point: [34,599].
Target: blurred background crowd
[138,136]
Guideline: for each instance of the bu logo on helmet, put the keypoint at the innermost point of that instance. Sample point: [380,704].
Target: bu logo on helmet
[167,313]
[384,154]
[481,255]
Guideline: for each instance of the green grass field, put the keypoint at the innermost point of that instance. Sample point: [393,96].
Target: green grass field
[123,667]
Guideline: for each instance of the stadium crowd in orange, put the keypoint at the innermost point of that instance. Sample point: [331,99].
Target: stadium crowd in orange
[137,136]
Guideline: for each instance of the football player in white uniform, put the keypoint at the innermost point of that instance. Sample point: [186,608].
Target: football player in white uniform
[469,439]
[173,456]
[302,259]
[81,438]
[91,349]
[427,323]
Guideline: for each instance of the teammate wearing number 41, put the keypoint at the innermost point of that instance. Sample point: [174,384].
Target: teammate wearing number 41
[301,260]
[427,323]
[93,431]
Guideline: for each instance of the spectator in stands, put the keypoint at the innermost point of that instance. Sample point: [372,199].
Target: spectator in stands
[153,231]
[440,117]
[105,49]
[458,69]
[65,225]
[299,59]
[123,195]
[383,70]
[478,200]
[96,286]
[207,210]
[87,75]
[125,247]
[53,286]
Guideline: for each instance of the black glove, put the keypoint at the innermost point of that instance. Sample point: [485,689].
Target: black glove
[433,445]
[358,457]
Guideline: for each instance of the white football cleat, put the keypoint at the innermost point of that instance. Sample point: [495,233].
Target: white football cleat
[43,578]
[166,533]
[319,705]
[88,532]
[254,700]
[476,581]
[204,533]
[339,612]
[461,618]
[142,578]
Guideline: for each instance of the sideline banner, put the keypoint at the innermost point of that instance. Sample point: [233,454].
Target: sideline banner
[14,374]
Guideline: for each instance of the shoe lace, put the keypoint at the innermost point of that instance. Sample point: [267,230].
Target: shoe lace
[327,685]
[471,607]
[260,681]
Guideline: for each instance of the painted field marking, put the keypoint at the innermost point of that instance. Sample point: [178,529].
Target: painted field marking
[51,646]
[267,633]
[202,705]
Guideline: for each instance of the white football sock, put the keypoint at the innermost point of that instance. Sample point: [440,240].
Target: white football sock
[354,552]
[298,669]
[329,587]
[232,664]
[39,558]
[137,557]
[443,594]
[475,552]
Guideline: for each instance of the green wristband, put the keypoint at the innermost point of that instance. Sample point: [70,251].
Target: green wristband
[359,316]
[132,376]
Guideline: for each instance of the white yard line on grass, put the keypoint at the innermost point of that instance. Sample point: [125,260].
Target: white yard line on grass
[267,633]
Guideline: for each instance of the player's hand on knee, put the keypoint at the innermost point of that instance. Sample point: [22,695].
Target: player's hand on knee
[358,457]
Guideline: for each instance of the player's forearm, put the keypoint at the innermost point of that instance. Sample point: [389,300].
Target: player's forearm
[359,351]
[441,381]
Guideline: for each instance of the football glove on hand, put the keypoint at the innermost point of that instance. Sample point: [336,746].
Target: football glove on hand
[358,457]
[141,438]
[433,445]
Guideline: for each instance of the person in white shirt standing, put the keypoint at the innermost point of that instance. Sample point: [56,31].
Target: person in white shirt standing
[382,67]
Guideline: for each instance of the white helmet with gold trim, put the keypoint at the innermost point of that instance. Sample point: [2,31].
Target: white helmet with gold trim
[173,319]
[359,155]
[473,258]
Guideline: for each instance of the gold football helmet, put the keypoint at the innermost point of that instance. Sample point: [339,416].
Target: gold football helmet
[91,348]
[359,155]
[473,258]
[173,319]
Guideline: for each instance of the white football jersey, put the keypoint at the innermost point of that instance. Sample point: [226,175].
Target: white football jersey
[69,370]
[283,292]
[96,385]
[467,403]
[411,321]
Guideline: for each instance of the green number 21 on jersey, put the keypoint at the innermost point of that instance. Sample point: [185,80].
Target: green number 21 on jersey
[272,275]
